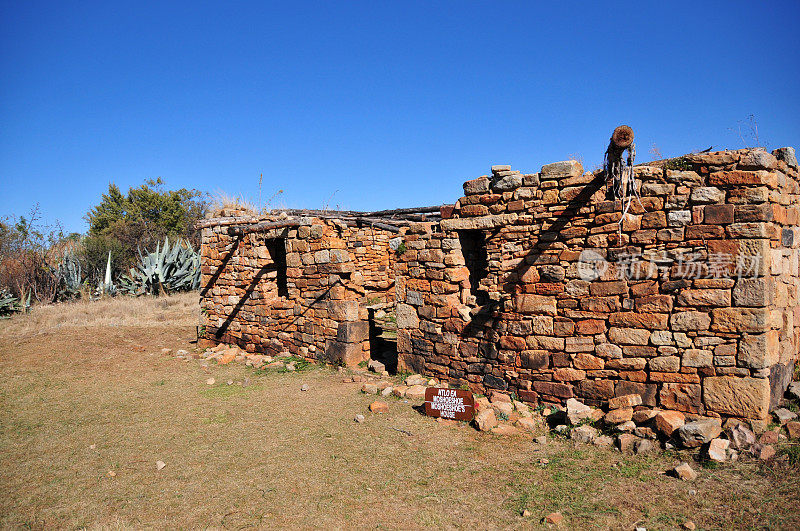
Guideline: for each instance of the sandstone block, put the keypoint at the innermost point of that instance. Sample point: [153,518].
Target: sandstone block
[755,292]
[739,397]
[681,397]
[485,419]
[541,304]
[759,351]
[707,194]
[705,297]
[535,359]
[476,186]
[625,401]
[629,336]
[617,416]
[718,214]
[690,320]
[406,316]
[669,421]
[697,358]
[587,361]
[665,364]
[753,320]
[558,170]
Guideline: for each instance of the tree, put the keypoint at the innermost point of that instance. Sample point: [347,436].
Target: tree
[123,224]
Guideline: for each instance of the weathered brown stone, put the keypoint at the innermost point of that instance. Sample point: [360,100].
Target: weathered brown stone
[754,320]
[743,397]
[680,397]
[528,303]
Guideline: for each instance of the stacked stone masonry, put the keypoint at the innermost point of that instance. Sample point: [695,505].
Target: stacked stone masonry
[301,289]
[538,284]
[690,299]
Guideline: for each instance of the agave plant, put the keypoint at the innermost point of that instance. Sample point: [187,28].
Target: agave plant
[168,268]
[10,304]
[68,276]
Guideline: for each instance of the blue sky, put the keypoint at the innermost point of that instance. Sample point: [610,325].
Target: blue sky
[370,105]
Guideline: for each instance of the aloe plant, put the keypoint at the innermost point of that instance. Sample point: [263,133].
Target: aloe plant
[167,269]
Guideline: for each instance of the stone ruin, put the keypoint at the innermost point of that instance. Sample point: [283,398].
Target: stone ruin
[537,284]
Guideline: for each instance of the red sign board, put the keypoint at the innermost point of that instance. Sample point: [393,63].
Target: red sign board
[449,403]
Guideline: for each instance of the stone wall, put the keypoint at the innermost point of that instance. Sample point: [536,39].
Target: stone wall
[540,286]
[301,289]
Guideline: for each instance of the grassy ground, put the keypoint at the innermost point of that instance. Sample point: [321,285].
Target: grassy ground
[85,390]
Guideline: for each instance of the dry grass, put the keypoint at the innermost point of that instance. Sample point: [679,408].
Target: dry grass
[269,455]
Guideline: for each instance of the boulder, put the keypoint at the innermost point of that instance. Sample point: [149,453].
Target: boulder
[416,392]
[699,432]
[741,437]
[783,415]
[485,420]
[584,434]
[577,411]
[618,416]
[793,429]
[685,472]
[717,450]
[379,407]
[506,430]
[669,421]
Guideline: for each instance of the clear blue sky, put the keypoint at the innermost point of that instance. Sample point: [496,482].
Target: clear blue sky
[370,105]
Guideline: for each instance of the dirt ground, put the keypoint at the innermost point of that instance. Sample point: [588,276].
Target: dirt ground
[88,404]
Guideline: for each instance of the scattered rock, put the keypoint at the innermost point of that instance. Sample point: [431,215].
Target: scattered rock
[291,366]
[717,449]
[498,397]
[379,407]
[359,418]
[416,379]
[644,415]
[669,421]
[626,442]
[794,390]
[526,513]
[229,382]
[166,351]
[226,358]
[503,409]
[506,430]
[584,434]
[784,415]
[304,387]
[554,518]
[768,437]
[618,416]
[416,392]
[541,439]
[699,432]
[603,440]
[741,437]
[369,388]
[627,427]
[764,452]
[527,423]
[387,391]
[793,428]
[160,465]
[376,366]
[645,446]
[689,525]
[485,420]
[211,381]
[685,472]
[111,474]
[645,432]
[399,390]
[577,411]
[92,446]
